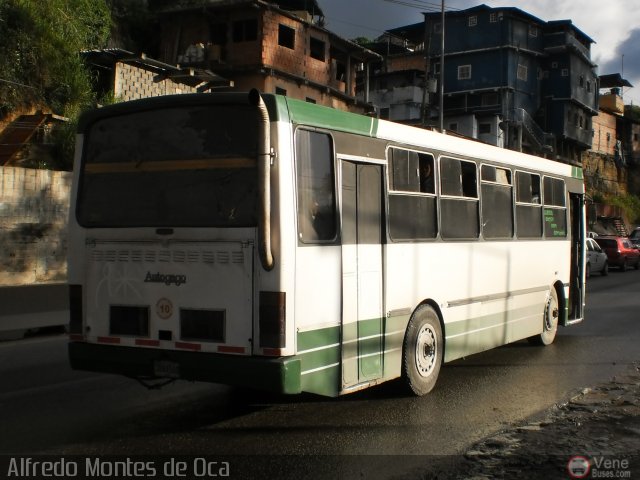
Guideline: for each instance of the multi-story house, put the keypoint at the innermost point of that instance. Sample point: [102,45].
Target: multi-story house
[511,76]
[611,164]
[510,79]
[569,88]
[605,163]
[397,83]
[277,48]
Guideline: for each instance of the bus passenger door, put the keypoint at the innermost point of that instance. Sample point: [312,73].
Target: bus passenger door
[577,274]
[362,335]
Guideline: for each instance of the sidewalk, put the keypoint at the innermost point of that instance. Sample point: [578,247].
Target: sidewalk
[596,434]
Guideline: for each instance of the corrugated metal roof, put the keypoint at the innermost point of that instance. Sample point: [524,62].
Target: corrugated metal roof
[613,80]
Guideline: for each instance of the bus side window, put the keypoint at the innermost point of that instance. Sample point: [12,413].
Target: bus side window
[555,211]
[412,200]
[316,195]
[528,205]
[427,181]
[497,202]
[459,199]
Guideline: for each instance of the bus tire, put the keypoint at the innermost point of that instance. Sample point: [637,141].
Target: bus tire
[549,320]
[422,351]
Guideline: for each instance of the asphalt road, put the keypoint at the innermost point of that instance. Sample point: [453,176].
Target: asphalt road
[47,408]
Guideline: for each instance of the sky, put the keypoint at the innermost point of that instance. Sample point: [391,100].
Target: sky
[614,25]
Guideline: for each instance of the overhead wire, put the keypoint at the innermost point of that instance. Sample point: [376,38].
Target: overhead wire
[420,4]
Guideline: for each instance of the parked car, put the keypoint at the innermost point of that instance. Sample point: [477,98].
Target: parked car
[620,252]
[635,238]
[596,259]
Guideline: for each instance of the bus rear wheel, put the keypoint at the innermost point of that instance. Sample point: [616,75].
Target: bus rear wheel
[549,321]
[422,351]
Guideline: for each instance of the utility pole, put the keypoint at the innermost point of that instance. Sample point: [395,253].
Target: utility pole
[441,109]
[622,76]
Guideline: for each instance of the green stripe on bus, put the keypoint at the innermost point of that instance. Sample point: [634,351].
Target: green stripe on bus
[323,382]
[319,358]
[372,326]
[495,320]
[305,113]
[490,331]
[576,172]
[319,354]
[318,338]
[370,346]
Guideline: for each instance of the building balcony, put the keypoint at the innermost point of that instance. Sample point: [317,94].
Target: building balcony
[562,41]
[581,136]
[410,94]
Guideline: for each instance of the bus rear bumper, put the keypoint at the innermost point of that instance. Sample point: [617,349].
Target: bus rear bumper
[281,375]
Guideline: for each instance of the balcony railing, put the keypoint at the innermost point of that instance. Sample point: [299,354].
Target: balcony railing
[543,141]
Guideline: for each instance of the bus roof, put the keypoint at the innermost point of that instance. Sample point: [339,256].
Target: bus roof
[304,113]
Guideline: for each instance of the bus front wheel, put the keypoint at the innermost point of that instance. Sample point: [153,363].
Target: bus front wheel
[422,351]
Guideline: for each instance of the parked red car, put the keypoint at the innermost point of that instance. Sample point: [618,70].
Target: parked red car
[620,252]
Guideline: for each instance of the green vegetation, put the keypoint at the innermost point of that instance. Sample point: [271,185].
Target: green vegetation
[362,41]
[40,63]
[630,204]
[632,112]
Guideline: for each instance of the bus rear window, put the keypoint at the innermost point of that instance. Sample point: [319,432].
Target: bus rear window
[176,167]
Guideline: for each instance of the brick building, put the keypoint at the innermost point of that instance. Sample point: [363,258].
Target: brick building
[128,76]
[606,162]
[398,82]
[275,48]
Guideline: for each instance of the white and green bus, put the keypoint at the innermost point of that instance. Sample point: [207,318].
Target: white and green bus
[260,241]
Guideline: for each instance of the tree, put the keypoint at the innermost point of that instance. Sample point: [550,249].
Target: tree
[632,112]
[40,45]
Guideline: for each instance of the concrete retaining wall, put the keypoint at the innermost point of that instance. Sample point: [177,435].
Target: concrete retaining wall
[34,207]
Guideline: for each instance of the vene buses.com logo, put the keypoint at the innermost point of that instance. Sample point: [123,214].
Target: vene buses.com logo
[578,467]
[167,279]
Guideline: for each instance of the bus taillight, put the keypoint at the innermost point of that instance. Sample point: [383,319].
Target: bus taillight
[272,319]
[75,310]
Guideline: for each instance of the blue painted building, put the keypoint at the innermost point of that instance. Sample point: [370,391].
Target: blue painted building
[513,80]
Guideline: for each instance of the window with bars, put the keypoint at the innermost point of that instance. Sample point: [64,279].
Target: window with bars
[464,72]
[522,72]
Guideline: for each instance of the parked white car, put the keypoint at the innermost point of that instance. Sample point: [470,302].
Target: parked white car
[634,238]
[596,259]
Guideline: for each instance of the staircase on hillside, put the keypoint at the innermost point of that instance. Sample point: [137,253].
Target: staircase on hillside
[620,227]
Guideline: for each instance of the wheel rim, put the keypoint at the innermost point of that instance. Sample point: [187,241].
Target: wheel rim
[551,315]
[426,351]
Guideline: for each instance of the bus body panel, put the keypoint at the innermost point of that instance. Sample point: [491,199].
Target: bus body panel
[344,304]
[182,293]
[280,375]
[499,292]
[317,317]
